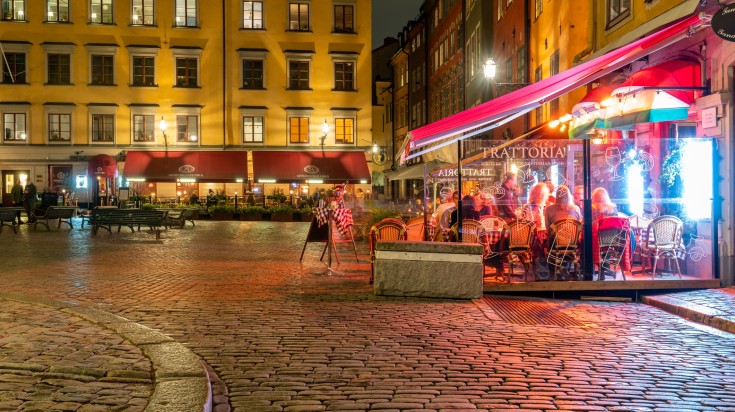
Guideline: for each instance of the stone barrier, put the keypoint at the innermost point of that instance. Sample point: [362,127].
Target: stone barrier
[428,269]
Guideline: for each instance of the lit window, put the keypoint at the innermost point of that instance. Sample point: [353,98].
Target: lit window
[186,13]
[103,128]
[298,16]
[100,11]
[344,130]
[252,129]
[13,10]
[299,130]
[57,11]
[187,127]
[143,127]
[14,125]
[59,127]
[142,13]
[252,14]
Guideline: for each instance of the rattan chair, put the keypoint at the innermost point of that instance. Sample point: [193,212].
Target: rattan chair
[520,235]
[662,240]
[563,251]
[386,229]
[471,231]
[613,239]
[492,223]
[415,229]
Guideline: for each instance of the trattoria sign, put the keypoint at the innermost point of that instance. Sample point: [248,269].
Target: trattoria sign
[527,152]
[723,22]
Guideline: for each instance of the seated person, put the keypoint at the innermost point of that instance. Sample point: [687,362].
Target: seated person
[469,210]
[601,204]
[533,210]
[564,208]
[486,206]
[507,198]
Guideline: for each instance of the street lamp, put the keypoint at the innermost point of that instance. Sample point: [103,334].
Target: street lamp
[490,69]
[162,125]
[325,130]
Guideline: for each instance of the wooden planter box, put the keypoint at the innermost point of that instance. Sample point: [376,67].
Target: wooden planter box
[251,217]
[306,217]
[221,216]
[282,217]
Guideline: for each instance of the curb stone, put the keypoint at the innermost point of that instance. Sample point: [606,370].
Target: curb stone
[693,312]
[181,382]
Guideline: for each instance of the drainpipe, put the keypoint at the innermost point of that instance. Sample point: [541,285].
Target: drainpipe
[224,75]
[591,31]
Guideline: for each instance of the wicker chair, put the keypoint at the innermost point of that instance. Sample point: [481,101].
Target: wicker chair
[443,225]
[564,235]
[520,235]
[662,240]
[415,229]
[491,223]
[386,229]
[613,235]
[471,231]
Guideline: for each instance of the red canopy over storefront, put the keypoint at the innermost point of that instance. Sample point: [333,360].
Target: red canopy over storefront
[102,166]
[310,167]
[215,167]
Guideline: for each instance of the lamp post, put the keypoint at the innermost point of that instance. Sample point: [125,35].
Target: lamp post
[162,125]
[325,130]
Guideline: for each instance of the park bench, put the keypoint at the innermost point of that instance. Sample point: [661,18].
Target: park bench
[8,217]
[63,213]
[106,218]
[179,219]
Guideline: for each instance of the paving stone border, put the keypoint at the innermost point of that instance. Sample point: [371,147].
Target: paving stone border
[691,311]
[181,382]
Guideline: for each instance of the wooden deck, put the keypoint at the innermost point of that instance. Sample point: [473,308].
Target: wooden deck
[608,285]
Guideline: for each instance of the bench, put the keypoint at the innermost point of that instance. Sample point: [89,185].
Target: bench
[8,217]
[179,219]
[62,213]
[85,214]
[106,218]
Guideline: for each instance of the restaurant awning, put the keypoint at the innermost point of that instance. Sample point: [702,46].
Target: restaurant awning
[417,171]
[215,167]
[588,114]
[102,166]
[512,105]
[310,167]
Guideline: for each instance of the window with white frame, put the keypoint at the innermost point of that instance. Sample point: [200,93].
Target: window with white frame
[253,125]
[500,9]
[253,68]
[143,62]
[187,66]
[617,11]
[344,18]
[344,126]
[298,16]
[13,10]
[187,124]
[539,7]
[252,15]
[58,63]
[185,13]
[143,122]
[298,126]
[299,68]
[102,123]
[142,13]
[101,11]
[102,64]
[58,122]
[58,11]
[15,65]
[15,122]
[344,71]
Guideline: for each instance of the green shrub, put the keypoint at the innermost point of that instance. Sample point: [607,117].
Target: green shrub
[377,214]
[306,210]
[223,209]
[282,209]
[251,210]
[147,206]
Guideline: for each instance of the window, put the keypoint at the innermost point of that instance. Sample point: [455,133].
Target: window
[100,11]
[142,13]
[59,69]
[186,72]
[144,71]
[103,70]
[522,65]
[103,128]
[344,130]
[13,10]
[298,130]
[187,128]
[298,75]
[252,74]
[252,14]
[14,69]
[344,18]
[344,76]
[186,13]
[500,9]
[554,69]
[617,11]
[539,7]
[59,127]
[143,127]
[57,11]
[540,111]
[14,126]
[509,70]
[298,16]
[252,129]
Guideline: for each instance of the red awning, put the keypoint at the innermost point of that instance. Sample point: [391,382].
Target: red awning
[512,105]
[327,167]
[215,167]
[673,76]
[102,166]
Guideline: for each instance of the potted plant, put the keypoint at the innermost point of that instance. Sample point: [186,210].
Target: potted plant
[252,213]
[306,213]
[282,213]
[377,214]
[223,212]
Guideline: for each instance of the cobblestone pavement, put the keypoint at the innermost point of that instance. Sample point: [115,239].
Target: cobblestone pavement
[713,307]
[283,339]
[53,361]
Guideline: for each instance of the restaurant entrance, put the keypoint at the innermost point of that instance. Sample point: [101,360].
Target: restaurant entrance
[9,178]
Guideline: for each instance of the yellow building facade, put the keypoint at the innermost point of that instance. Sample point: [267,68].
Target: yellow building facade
[88,77]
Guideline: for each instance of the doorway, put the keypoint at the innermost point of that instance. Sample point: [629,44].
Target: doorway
[9,178]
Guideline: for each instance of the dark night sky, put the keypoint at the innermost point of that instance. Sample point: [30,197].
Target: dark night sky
[389,17]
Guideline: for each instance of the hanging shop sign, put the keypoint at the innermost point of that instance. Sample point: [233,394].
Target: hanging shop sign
[548,150]
[723,22]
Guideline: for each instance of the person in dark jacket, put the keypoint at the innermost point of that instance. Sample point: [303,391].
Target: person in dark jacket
[16,198]
[29,201]
[507,200]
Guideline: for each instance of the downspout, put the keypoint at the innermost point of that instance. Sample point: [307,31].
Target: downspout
[527,44]
[591,31]
[224,75]
[459,142]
